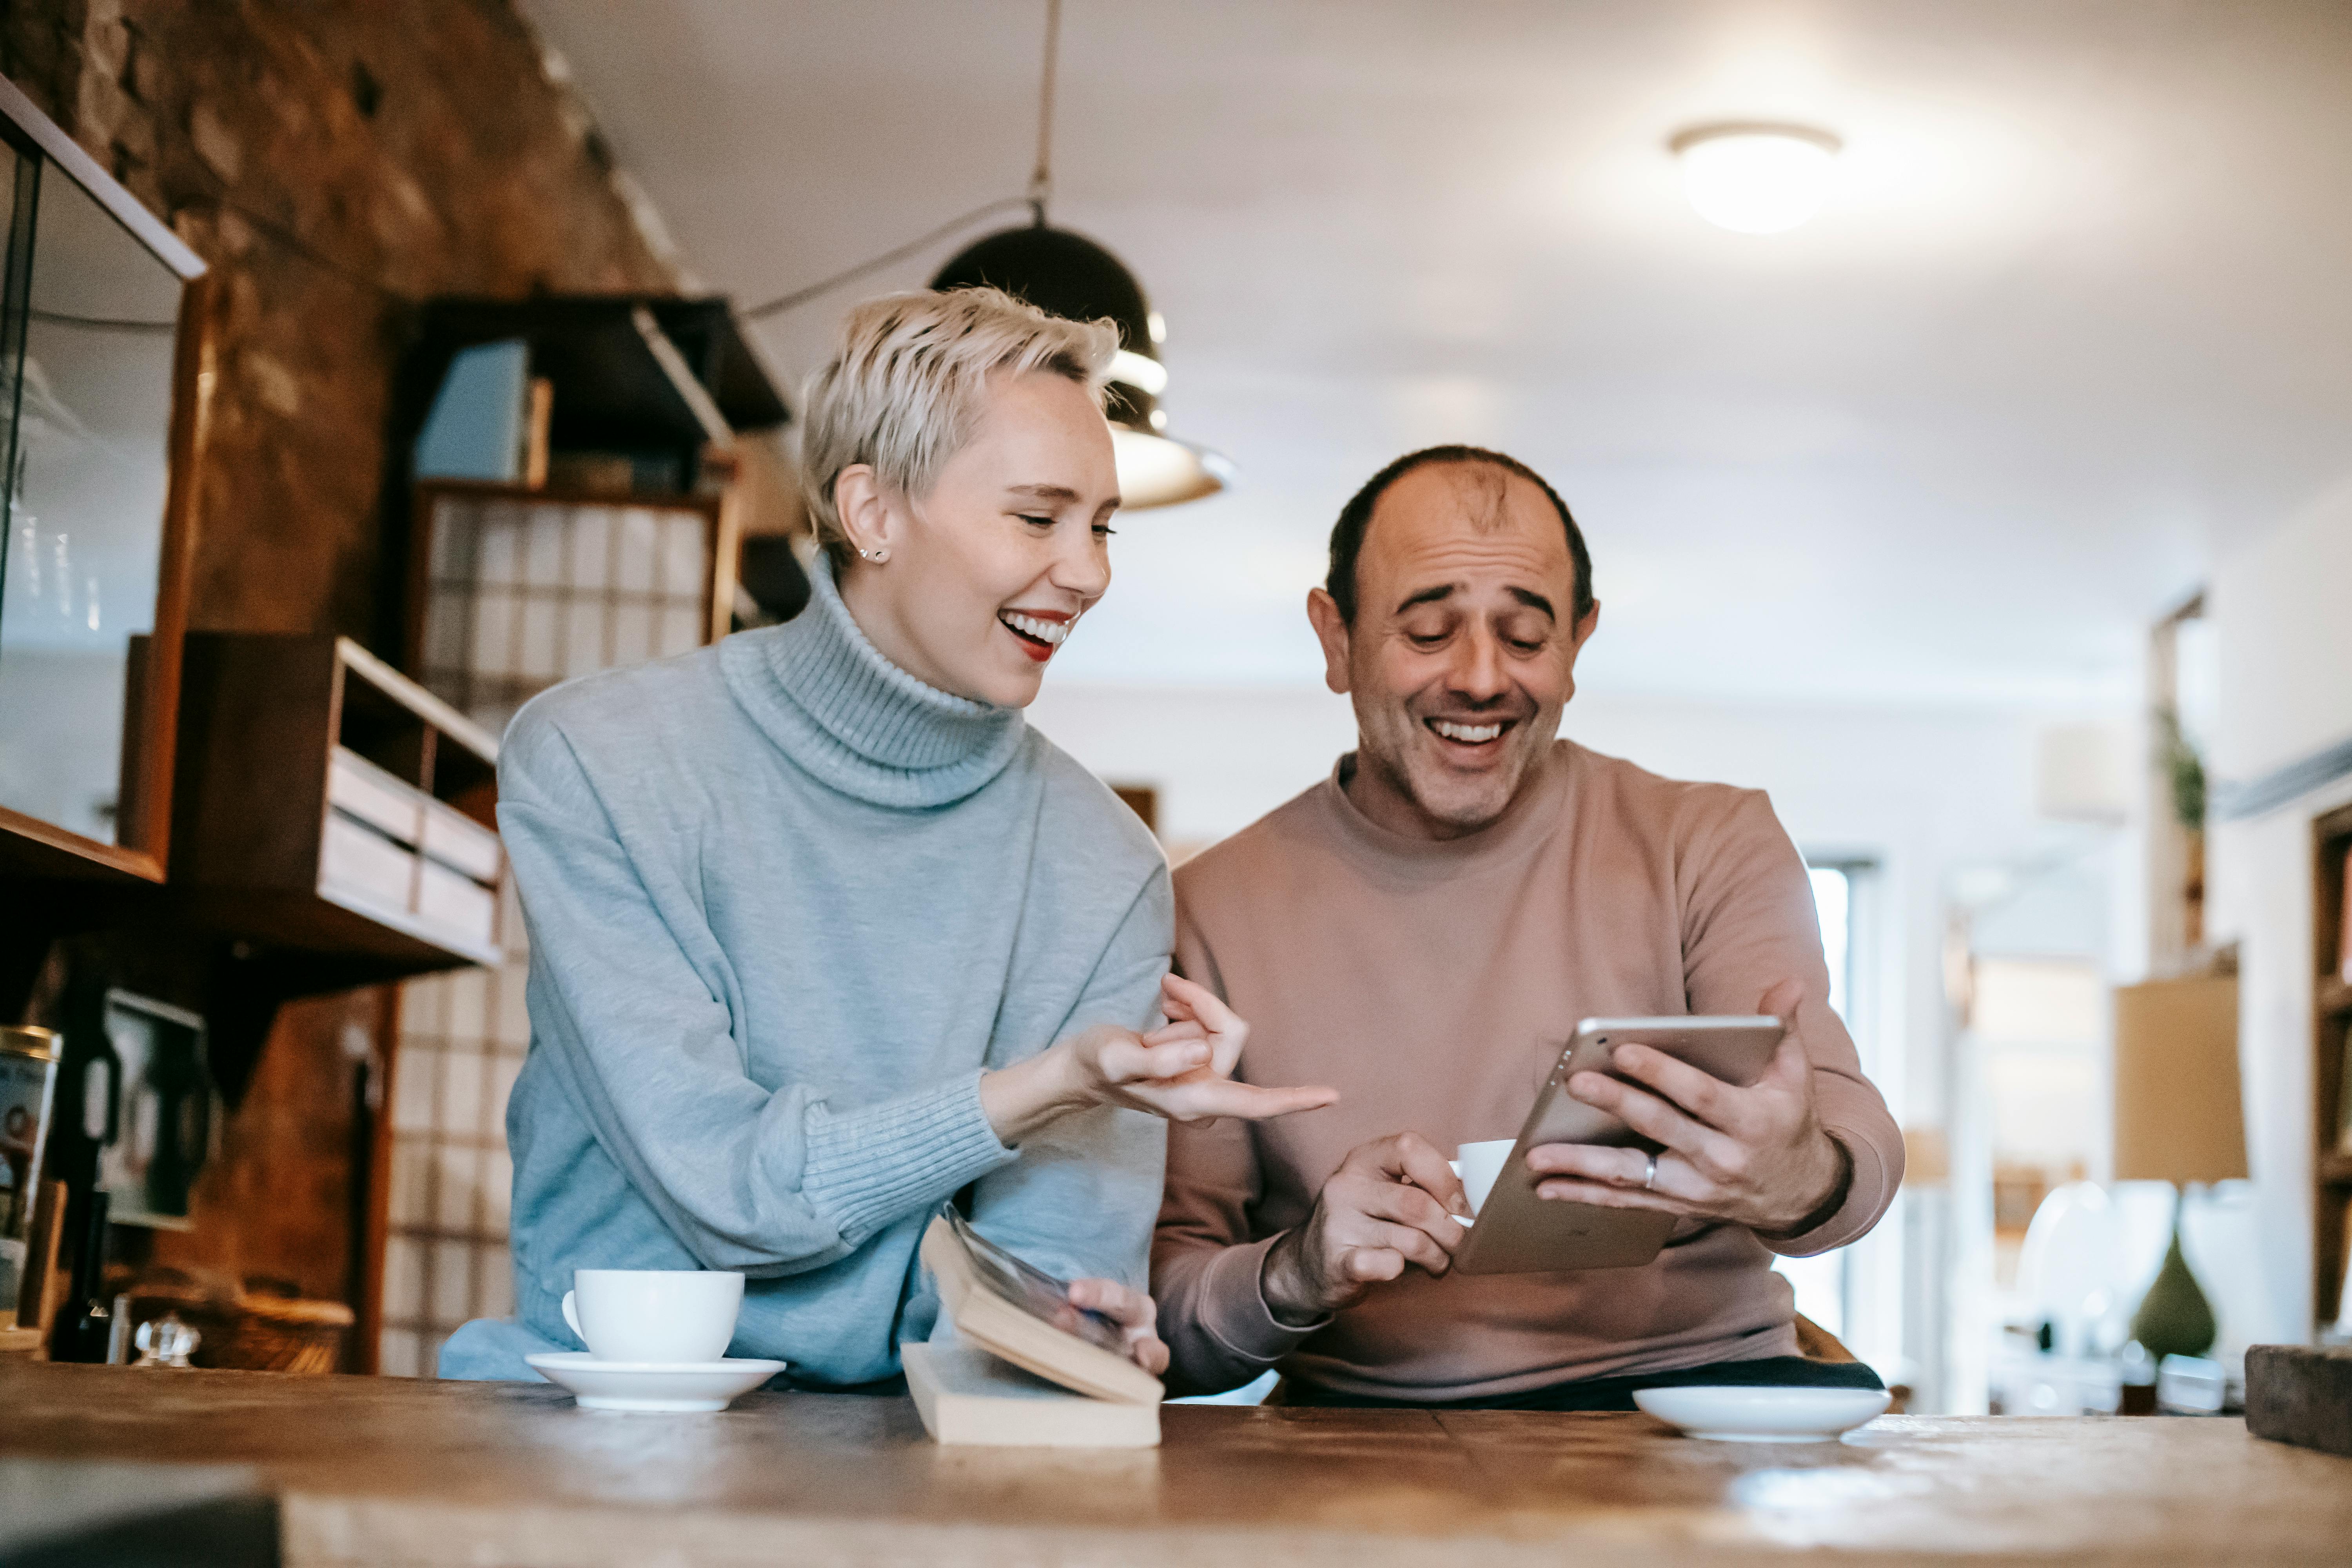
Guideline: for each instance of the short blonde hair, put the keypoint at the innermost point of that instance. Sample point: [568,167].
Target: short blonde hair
[904,386]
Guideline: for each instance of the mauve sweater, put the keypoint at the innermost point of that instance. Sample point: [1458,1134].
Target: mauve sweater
[1432,984]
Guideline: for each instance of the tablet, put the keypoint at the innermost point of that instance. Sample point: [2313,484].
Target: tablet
[1518,1232]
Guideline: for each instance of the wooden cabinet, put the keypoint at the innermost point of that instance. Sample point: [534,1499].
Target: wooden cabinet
[327,805]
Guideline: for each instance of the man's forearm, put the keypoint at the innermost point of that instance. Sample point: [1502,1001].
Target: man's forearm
[1215,1317]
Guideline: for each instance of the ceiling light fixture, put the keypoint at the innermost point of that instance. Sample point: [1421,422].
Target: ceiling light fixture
[1754,177]
[1066,274]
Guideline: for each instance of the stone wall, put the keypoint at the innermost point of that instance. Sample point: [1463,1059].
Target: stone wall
[335,161]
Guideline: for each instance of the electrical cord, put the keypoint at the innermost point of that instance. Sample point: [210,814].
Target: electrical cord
[783,302]
[1041,192]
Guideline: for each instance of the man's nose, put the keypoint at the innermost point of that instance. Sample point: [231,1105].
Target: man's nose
[1478,673]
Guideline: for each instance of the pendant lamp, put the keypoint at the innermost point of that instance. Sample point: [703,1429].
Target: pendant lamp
[1065,274]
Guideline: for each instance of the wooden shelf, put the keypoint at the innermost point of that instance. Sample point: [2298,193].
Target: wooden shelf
[34,849]
[2336,1168]
[334,812]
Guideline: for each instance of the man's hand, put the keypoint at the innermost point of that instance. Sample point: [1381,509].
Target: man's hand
[1181,1071]
[1390,1204]
[1134,1312]
[1755,1156]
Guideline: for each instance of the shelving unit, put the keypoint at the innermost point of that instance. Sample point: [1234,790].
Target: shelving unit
[517,589]
[329,806]
[2331,840]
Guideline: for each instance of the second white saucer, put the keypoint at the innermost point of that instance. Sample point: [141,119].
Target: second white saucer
[1758,1414]
[653,1386]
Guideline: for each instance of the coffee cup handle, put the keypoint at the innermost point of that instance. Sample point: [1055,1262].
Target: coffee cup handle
[572,1317]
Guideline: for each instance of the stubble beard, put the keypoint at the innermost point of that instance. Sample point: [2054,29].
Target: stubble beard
[1400,748]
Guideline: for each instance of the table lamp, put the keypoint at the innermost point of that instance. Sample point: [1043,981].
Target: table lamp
[2178,1120]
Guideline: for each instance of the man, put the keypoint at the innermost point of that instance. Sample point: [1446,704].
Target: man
[1422,931]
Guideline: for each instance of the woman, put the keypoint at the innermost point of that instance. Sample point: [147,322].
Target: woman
[822,933]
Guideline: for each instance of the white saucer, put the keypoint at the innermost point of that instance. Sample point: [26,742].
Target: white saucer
[1764,1414]
[652,1385]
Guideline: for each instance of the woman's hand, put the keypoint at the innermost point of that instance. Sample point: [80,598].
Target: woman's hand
[1181,1071]
[1137,1317]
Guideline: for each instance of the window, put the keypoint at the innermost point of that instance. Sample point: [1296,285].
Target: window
[1821,1282]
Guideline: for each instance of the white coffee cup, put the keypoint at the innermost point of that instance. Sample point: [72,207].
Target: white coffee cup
[669,1315]
[1478,1164]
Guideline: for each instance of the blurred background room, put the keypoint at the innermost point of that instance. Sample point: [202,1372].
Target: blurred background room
[1956,400]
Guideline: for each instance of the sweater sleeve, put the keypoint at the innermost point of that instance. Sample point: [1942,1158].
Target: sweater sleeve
[1079,1201]
[631,997]
[1205,1262]
[1750,923]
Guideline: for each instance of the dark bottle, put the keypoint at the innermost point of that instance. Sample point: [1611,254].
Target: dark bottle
[87,1332]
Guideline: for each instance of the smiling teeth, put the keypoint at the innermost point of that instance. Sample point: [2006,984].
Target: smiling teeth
[1470,734]
[1051,632]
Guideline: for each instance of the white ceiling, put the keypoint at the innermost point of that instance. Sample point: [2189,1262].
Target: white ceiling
[2078,314]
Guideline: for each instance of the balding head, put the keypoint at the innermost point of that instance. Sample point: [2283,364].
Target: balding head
[1486,476]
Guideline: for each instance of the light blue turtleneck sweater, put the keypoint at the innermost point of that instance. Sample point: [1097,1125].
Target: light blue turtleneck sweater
[786,903]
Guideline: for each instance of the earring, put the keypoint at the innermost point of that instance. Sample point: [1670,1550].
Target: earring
[876,555]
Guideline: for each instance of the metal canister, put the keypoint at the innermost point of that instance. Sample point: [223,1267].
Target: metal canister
[28,1081]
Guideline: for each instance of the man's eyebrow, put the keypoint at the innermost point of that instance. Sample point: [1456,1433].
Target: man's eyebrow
[1444,591]
[1044,492]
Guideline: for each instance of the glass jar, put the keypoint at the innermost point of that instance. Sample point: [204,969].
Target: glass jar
[28,1081]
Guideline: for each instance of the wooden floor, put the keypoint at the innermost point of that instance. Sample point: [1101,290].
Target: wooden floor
[388,1471]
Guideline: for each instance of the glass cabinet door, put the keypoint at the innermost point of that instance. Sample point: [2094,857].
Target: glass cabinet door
[86,348]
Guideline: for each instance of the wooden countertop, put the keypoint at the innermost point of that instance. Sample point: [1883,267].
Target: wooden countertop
[383,1470]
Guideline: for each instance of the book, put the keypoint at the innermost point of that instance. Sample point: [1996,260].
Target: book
[967,1396]
[1024,1315]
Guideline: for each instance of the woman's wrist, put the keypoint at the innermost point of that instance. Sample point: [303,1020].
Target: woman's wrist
[1025,1098]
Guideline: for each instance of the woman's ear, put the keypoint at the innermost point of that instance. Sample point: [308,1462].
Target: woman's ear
[865,512]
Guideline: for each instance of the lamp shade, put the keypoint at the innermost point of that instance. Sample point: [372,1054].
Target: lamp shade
[2178,1113]
[1068,275]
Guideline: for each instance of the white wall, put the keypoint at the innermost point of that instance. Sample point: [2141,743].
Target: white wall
[2283,612]
[1923,793]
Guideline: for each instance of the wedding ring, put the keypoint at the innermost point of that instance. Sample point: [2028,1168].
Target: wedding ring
[1649,1177]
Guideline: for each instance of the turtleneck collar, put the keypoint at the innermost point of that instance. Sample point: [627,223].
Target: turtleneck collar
[825,695]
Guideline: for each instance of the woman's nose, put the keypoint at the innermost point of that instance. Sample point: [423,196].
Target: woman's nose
[1083,567]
